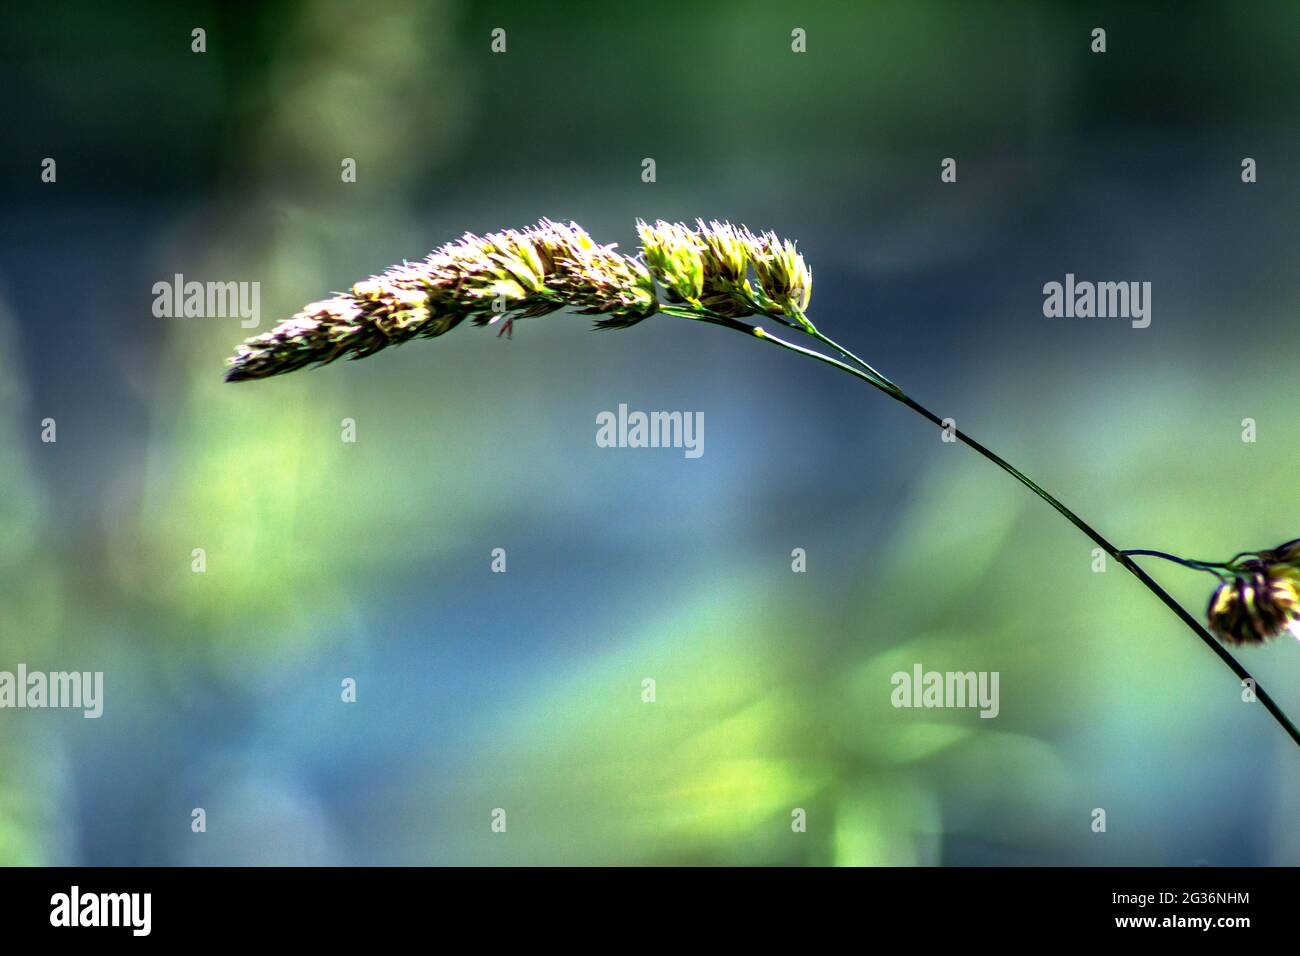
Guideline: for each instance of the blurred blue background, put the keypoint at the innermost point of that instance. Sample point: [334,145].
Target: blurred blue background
[523,691]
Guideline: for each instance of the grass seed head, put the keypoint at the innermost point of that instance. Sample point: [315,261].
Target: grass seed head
[675,257]
[726,270]
[784,279]
[1261,599]
[524,273]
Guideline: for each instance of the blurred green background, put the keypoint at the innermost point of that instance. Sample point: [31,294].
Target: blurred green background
[522,691]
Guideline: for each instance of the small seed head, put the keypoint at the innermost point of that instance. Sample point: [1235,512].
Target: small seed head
[1261,599]
[784,279]
[674,256]
[726,256]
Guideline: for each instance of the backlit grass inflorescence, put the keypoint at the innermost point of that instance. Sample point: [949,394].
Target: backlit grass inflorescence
[534,271]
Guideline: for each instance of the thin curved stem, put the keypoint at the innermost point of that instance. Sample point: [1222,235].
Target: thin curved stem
[849,355]
[868,375]
[1211,567]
